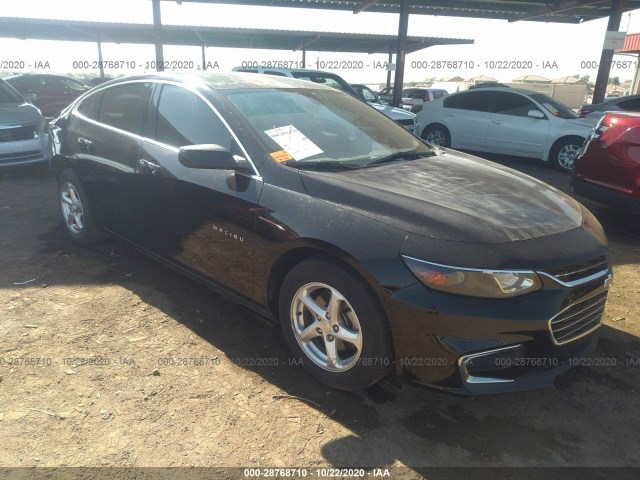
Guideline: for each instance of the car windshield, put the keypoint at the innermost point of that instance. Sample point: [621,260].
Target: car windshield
[8,94]
[320,125]
[555,108]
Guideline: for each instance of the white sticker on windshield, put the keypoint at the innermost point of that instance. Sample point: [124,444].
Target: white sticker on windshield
[294,142]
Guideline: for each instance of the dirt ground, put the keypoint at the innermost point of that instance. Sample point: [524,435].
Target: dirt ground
[109,359]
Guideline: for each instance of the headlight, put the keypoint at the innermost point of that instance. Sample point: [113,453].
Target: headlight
[473,283]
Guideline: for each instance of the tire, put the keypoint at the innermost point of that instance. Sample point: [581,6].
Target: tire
[437,134]
[74,210]
[564,152]
[357,338]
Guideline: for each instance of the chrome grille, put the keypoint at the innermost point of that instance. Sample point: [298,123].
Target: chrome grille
[579,318]
[12,134]
[578,271]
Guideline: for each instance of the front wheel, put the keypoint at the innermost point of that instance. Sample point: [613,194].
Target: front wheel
[437,134]
[565,152]
[334,323]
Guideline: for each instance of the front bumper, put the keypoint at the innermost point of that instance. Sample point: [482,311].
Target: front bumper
[21,152]
[474,346]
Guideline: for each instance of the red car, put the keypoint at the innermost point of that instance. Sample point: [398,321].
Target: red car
[53,92]
[608,167]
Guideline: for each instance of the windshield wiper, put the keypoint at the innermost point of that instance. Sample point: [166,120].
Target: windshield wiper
[319,164]
[398,155]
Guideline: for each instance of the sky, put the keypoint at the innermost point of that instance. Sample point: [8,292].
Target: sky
[554,50]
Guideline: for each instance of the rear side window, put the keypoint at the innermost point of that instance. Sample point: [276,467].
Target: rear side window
[124,106]
[185,119]
[90,106]
[438,94]
[478,101]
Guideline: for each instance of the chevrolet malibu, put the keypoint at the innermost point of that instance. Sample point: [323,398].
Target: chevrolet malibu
[377,253]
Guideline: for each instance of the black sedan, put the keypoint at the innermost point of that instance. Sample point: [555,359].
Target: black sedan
[377,253]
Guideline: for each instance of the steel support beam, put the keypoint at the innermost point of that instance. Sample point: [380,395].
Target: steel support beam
[100,61]
[157,35]
[554,9]
[604,69]
[401,52]
[389,63]
[364,6]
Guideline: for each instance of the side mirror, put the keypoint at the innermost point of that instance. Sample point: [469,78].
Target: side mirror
[536,114]
[209,156]
[30,97]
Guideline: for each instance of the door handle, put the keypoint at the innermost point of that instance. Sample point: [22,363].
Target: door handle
[497,122]
[85,142]
[149,167]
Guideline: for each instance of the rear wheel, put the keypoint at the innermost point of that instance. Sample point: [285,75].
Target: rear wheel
[564,153]
[333,322]
[437,134]
[74,210]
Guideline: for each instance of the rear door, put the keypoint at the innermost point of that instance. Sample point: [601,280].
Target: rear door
[467,117]
[202,220]
[104,137]
[512,131]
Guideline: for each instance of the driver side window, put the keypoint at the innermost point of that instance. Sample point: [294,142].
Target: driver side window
[185,119]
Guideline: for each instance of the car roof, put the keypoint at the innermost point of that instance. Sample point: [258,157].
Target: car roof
[222,81]
[41,75]
[523,91]
[619,99]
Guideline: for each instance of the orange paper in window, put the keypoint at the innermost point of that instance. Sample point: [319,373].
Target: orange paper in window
[281,156]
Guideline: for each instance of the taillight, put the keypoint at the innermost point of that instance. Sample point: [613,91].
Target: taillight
[608,130]
[416,108]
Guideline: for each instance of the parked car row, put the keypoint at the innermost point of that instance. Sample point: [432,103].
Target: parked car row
[376,252]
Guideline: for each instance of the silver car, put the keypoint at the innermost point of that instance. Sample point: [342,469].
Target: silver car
[506,121]
[23,135]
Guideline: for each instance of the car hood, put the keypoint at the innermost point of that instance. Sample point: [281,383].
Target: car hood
[583,122]
[453,196]
[393,112]
[14,114]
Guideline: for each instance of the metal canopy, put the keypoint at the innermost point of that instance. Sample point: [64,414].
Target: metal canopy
[44,29]
[563,11]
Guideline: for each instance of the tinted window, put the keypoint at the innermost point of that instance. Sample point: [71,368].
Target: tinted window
[124,106]
[416,93]
[469,101]
[438,94]
[89,106]
[507,103]
[8,94]
[21,83]
[553,106]
[185,119]
[632,104]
